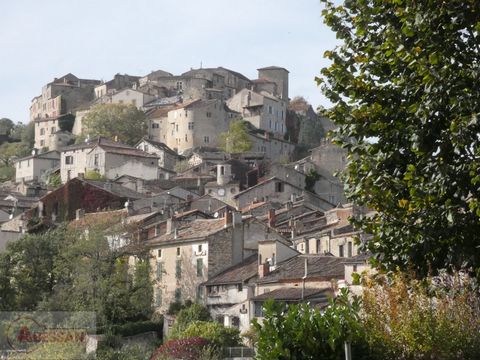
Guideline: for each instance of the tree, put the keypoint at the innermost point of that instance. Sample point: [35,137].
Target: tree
[124,122]
[28,135]
[236,139]
[6,126]
[404,84]
[9,151]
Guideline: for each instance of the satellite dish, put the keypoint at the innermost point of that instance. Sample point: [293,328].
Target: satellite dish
[215,215]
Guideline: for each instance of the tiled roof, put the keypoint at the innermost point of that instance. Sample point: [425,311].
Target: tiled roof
[115,189]
[295,294]
[273,68]
[318,267]
[358,259]
[127,151]
[239,273]
[195,229]
[207,204]
[159,145]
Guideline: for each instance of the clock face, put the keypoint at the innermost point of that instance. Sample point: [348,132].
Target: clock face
[221,192]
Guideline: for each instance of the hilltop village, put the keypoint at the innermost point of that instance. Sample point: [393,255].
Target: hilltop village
[224,228]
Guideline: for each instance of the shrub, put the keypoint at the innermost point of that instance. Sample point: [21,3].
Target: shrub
[185,349]
[219,335]
[195,312]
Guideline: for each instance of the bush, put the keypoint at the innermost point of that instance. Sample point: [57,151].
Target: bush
[409,319]
[219,335]
[185,349]
[195,312]
[139,327]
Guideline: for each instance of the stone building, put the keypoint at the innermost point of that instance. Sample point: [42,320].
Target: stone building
[167,158]
[196,123]
[62,96]
[33,167]
[119,82]
[278,76]
[189,254]
[263,110]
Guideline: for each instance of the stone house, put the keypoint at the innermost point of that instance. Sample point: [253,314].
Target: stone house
[167,158]
[109,158]
[273,148]
[300,278]
[277,190]
[278,76]
[225,187]
[118,82]
[227,294]
[197,123]
[262,110]
[33,167]
[48,133]
[131,97]
[62,203]
[189,254]
[62,96]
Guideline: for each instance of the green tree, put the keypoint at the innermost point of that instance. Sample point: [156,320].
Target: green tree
[299,331]
[404,84]
[9,151]
[6,126]
[219,335]
[194,312]
[28,135]
[124,122]
[236,139]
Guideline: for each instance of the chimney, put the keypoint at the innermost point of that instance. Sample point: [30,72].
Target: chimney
[263,269]
[171,228]
[79,214]
[228,219]
[271,218]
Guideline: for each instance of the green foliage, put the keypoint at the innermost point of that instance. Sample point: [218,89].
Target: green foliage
[236,139]
[8,151]
[54,180]
[182,166]
[310,179]
[404,85]
[66,122]
[299,331]
[219,335]
[407,319]
[28,135]
[6,126]
[125,122]
[187,315]
[94,175]
[137,327]
[7,173]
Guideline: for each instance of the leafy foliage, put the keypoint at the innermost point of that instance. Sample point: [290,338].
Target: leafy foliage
[93,175]
[186,349]
[299,331]
[6,126]
[404,84]
[187,315]
[125,122]
[219,335]
[310,179]
[406,319]
[236,139]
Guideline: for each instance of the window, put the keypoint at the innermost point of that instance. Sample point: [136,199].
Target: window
[186,138]
[199,267]
[178,295]
[178,269]
[240,287]
[318,246]
[176,127]
[279,187]
[158,297]
[355,268]
[276,126]
[68,160]
[206,139]
[209,114]
[178,251]
[159,271]
[52,129]
[270,123]
[340,251]
[157,232]
[28,163]
[222,170]
[258,309]
[42,131]
[95,160]
[179,85]
[159,253]
[190,126]
[349,249]
[273,259]
[145,148]
[270,109]
[155,126]
[200,248]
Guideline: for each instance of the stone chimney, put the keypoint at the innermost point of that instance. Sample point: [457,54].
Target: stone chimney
[79,214]
[271,218]
[228,219]
[263,269]
[171,227]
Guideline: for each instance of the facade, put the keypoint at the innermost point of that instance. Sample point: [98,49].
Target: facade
[278,76]
[32,168]
[131,97]
[189,254]
[118,82]
[272,148]
[262,110]
[167,158]
[225,188]
[196,123]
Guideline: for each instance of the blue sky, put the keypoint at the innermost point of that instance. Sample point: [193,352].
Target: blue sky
[96,39]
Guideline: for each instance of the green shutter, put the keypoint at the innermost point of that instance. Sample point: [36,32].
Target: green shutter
[199,267]
[178,272]
[159,271]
